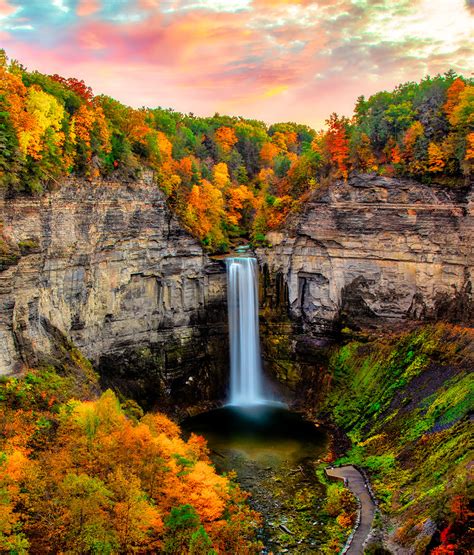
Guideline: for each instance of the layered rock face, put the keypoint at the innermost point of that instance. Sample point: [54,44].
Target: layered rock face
[368,252]
[107,265]
[375,248]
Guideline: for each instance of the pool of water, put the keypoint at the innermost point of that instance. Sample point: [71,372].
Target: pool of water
[274,452]
[260,433]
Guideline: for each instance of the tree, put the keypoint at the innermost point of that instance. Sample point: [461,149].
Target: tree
[415,148]
[469,157]
[240,200]
[181,523]
[82,517]
[337,144]
[251,139]
[221,177]
[268,152]
[47,114]
[205,213]
[226,138]
[77,86]
[200,543]
[365,158]
[137,522]
[436,161]
[452,97]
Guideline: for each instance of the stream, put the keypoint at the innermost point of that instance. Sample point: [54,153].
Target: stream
[273,452]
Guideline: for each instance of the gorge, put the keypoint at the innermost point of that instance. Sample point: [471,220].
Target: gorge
[205,320]
[107,266]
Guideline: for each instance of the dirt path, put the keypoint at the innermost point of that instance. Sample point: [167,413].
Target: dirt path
[356,483]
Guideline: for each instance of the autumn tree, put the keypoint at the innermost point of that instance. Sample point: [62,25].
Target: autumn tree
[452,97]
[226,138]
[436,161]
[268,152]
[205,213]
[337,144]
[75,85]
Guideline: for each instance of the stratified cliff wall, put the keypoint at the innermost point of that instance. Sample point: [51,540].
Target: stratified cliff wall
[370,251]
[106,264]
[376,247]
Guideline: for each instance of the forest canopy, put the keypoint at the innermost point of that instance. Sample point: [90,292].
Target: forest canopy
[99,476]
[229,177]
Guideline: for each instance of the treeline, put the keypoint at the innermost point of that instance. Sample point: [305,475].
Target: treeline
[101,477]
[224,176]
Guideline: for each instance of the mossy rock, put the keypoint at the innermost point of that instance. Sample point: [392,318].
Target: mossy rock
[9,255]
[28,246]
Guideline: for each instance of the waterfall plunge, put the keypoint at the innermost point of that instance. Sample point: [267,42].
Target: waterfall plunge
[246,387]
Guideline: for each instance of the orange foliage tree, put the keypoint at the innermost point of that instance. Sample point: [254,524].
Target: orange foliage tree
[337,143]
[226,138]
[107,483]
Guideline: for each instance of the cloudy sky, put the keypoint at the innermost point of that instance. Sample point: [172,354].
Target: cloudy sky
[275,60]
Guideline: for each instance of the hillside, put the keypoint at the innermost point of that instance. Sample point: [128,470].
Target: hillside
[406,402]
[227,177]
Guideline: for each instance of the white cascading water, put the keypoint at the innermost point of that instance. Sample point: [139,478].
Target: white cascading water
[245,363]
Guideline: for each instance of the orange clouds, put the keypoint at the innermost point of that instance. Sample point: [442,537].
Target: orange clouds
[275,3]
[87,7]
[6,8]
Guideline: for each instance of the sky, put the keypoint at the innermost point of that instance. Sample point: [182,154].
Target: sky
[272,60]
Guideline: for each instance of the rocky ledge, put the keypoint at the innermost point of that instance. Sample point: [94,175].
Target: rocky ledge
[366,253]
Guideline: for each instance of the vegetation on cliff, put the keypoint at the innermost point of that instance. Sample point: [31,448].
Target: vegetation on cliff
[95,476]
[228,176]
[405,401]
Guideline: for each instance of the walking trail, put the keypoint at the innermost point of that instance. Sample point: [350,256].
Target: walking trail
[356,483]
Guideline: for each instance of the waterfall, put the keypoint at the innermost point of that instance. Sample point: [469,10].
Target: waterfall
[245,364]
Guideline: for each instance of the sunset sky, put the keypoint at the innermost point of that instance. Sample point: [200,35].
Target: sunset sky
[266,59]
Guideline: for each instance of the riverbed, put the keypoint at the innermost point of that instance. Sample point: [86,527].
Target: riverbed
[273,452]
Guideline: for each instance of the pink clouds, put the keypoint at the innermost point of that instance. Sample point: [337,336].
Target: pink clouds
[87,7]
[6,8]
[268,59]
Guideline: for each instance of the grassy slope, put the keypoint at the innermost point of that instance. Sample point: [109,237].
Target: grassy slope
[404,400]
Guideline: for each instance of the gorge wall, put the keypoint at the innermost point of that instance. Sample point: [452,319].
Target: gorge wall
[107,265]
[363,253]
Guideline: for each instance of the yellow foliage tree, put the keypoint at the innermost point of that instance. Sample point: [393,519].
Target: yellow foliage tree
[462,114]
[436,161]
[205,212]
[221,177]
[164,145]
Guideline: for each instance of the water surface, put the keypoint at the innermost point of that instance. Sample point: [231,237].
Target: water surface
[273,452]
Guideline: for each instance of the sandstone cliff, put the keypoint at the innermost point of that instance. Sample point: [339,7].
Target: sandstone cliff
[106,264]
[375,248]
[368,253]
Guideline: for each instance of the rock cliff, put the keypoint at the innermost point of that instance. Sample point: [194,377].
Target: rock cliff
[107,265]
[365,252]
[376,248]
